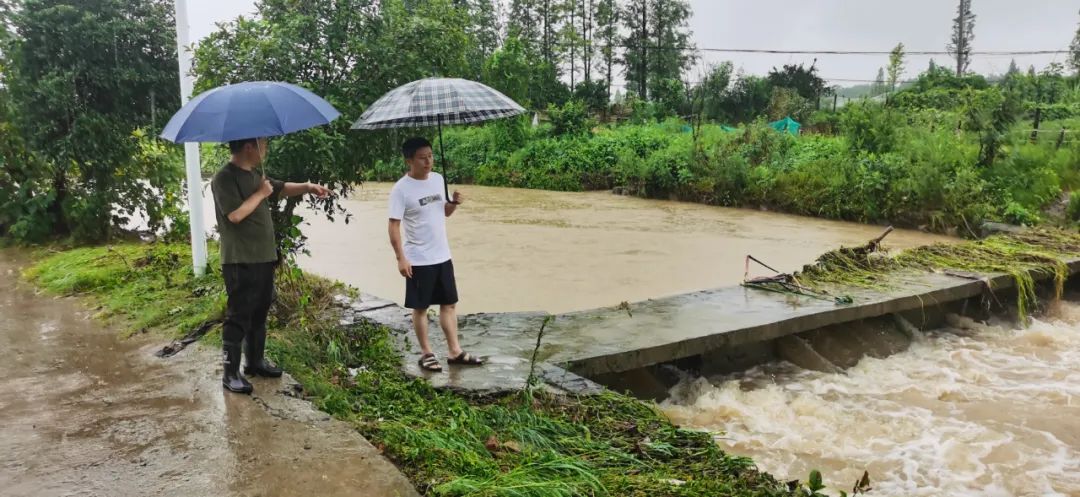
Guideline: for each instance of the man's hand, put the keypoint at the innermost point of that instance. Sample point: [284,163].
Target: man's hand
[404,267]
[318,190]
[266,189]
[459,197]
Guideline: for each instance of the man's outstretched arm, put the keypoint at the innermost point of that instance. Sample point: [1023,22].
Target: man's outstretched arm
[294,189]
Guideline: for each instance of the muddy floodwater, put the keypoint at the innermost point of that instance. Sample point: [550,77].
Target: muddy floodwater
[974,409]
[530,250]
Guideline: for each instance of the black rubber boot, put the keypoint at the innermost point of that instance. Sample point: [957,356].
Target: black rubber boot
[255,360]
[233,381]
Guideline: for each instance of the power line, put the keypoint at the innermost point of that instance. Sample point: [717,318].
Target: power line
[877,52]
[998,53]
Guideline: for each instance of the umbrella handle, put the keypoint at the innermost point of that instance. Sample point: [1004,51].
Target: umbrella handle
[442,158]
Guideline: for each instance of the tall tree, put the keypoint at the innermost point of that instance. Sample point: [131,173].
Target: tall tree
[804,80]
[1074,51]
[570,35]
[607,32]
[709,93]
[83,77]
[962,36]
[1013,68]
[550,15]
[879,82]
[484,25]
[588,15]
[635,19]
[671,36]
[896,65]
[657,43]
[747,98]
[523,23]
[577,34]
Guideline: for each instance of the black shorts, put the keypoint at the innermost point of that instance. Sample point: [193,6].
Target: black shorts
[431,285]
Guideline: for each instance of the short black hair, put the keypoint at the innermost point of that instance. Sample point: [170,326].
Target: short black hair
[236,146]
[409,148]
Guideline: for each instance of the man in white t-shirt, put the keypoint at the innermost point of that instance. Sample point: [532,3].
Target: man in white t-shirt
[418,202]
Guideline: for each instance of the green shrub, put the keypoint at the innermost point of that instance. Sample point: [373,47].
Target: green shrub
[572,118]
[1027,177]
[1016,213]
[1073,210]
[870,127]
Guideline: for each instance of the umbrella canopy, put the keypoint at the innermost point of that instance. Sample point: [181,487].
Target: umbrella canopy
[437,101]
[434,102]
[248,110]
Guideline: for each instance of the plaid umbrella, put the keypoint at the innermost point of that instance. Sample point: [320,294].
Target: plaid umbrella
[434,102]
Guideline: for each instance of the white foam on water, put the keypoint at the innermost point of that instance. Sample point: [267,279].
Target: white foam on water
[975,409]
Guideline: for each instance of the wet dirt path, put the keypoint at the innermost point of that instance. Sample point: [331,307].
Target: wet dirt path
[83,413]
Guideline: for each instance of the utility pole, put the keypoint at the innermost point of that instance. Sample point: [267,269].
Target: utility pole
[191,150]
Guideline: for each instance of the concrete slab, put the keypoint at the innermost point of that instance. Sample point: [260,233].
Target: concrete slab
[617,339]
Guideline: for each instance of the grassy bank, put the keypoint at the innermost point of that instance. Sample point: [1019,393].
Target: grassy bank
[1024,256]
[528,444]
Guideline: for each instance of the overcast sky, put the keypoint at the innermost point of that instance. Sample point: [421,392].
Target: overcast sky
[834,25]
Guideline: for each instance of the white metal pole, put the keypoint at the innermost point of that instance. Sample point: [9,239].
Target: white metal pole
[191,150]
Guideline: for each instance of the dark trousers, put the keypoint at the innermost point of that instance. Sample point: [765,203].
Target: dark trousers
[251,290]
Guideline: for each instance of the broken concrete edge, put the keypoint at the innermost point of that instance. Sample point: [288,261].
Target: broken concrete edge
[965,287]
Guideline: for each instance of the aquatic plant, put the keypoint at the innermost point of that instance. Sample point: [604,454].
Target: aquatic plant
[1027,256]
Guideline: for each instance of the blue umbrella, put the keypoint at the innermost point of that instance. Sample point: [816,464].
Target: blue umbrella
[248,110]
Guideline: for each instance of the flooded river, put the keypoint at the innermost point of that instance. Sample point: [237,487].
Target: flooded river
[529,250]
[971,410]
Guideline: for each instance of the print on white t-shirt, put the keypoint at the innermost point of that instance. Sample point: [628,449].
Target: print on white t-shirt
[420,206]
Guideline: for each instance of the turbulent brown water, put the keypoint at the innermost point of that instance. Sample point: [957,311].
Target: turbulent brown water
[970,410]
[530,250]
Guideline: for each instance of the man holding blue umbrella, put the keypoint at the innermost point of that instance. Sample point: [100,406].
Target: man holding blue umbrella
[243,115]
[248,256]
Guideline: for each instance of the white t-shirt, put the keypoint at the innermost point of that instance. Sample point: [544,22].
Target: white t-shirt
[420,206]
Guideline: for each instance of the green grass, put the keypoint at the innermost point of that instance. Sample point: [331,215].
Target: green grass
[151,286]
[528,444]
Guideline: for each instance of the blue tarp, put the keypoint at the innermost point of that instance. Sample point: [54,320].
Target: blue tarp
[786,124]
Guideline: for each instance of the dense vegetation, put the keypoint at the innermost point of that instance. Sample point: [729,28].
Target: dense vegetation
[945,154]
